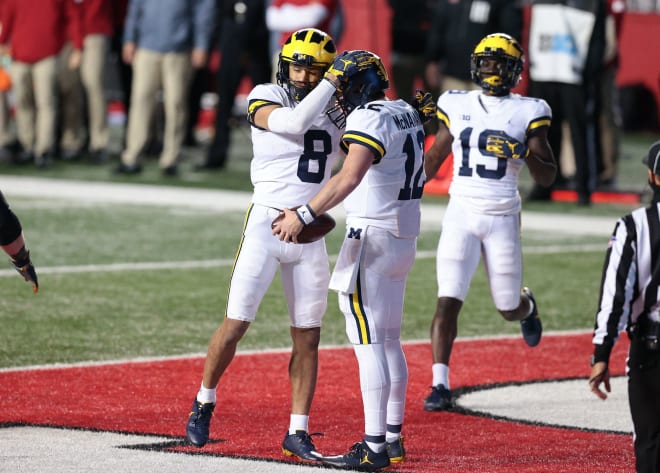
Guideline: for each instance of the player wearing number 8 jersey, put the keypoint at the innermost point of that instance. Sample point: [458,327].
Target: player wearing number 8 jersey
[295,143]
[492,134]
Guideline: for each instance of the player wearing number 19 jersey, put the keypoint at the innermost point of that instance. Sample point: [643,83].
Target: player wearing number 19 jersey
[492,134]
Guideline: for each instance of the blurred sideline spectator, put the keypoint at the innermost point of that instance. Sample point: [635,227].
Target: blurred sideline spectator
[34,42]
[566,51]
[97,20]
[163,40]
[456,28]
[283,17]
[71,123]
[410,27]
[7,139]
[244,51]
[610,120]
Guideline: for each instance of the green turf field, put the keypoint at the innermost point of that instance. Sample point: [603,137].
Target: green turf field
[174,299]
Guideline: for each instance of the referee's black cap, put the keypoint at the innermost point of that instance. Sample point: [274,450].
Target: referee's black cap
[652,159]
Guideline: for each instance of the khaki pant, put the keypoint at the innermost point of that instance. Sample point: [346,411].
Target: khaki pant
[92,72]
[71,100]
[35,87]
[90,77]
[6,135]
[153,72]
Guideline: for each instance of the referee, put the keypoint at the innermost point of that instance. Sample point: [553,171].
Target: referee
[630,299]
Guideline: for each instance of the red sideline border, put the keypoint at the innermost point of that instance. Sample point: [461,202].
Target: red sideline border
[154,397]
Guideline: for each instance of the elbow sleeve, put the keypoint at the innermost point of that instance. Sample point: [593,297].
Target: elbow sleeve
[298,120]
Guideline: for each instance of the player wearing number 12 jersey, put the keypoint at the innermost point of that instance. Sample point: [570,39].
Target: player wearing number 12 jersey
[381,183]
[492,134]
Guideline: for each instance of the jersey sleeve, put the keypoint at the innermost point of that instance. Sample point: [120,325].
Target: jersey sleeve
[263,95]
[362,127]
[446,103]
[541,117]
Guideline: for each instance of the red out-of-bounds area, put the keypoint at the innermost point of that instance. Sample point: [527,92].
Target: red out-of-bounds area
[154,397]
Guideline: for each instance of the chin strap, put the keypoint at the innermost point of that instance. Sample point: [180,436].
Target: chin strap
[656,191]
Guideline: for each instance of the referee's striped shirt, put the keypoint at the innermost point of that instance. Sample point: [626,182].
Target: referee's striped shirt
[631,275]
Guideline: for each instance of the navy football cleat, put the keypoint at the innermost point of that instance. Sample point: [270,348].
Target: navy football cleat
[359,458]
[197,429]
[531,326]
[395,450]
[439,399]
[300,445]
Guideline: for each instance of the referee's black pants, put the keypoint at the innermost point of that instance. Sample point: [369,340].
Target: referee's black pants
[644,399]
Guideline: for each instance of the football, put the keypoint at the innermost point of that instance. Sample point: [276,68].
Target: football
[313,231]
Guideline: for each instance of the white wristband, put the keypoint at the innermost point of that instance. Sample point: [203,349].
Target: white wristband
[306,214]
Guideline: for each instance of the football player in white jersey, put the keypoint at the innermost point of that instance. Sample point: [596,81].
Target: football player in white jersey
[295,144]
[381,183]
[492,134]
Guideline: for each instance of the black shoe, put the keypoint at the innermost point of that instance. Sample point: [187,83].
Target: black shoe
[300,445]
[128,169]
[395,451]
[170,171]
[584,200]
[539,193]
[23,157]
[439,399]
[99,156]
[359,458]
[199,420]
[45,161]
[531,326]
[71,154]
[209,166]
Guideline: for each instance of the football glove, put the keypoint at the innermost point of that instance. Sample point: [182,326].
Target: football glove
[425,105]
[503,146]
[349,63]
[25,268]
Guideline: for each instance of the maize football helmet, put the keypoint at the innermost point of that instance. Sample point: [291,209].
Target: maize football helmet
[367,85]
[496,63]
[308,47]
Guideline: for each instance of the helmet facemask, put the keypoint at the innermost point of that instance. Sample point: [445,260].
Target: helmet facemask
[496,64]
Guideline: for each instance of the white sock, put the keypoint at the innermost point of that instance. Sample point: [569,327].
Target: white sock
[376,447]
[392,436]
[531,306]
[298,422]
[375,386]
[440,374]
[205,395]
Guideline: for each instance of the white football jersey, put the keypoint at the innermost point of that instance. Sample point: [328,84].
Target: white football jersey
[487,183]
[288,170]
[389,195]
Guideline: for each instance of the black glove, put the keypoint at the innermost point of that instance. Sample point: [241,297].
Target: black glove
[425,106]
[25,268]
[349,63]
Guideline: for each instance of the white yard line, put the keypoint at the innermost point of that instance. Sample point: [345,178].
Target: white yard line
[223,201]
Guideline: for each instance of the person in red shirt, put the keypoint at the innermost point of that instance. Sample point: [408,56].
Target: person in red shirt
[96,21]
[34,42]
[283,17]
